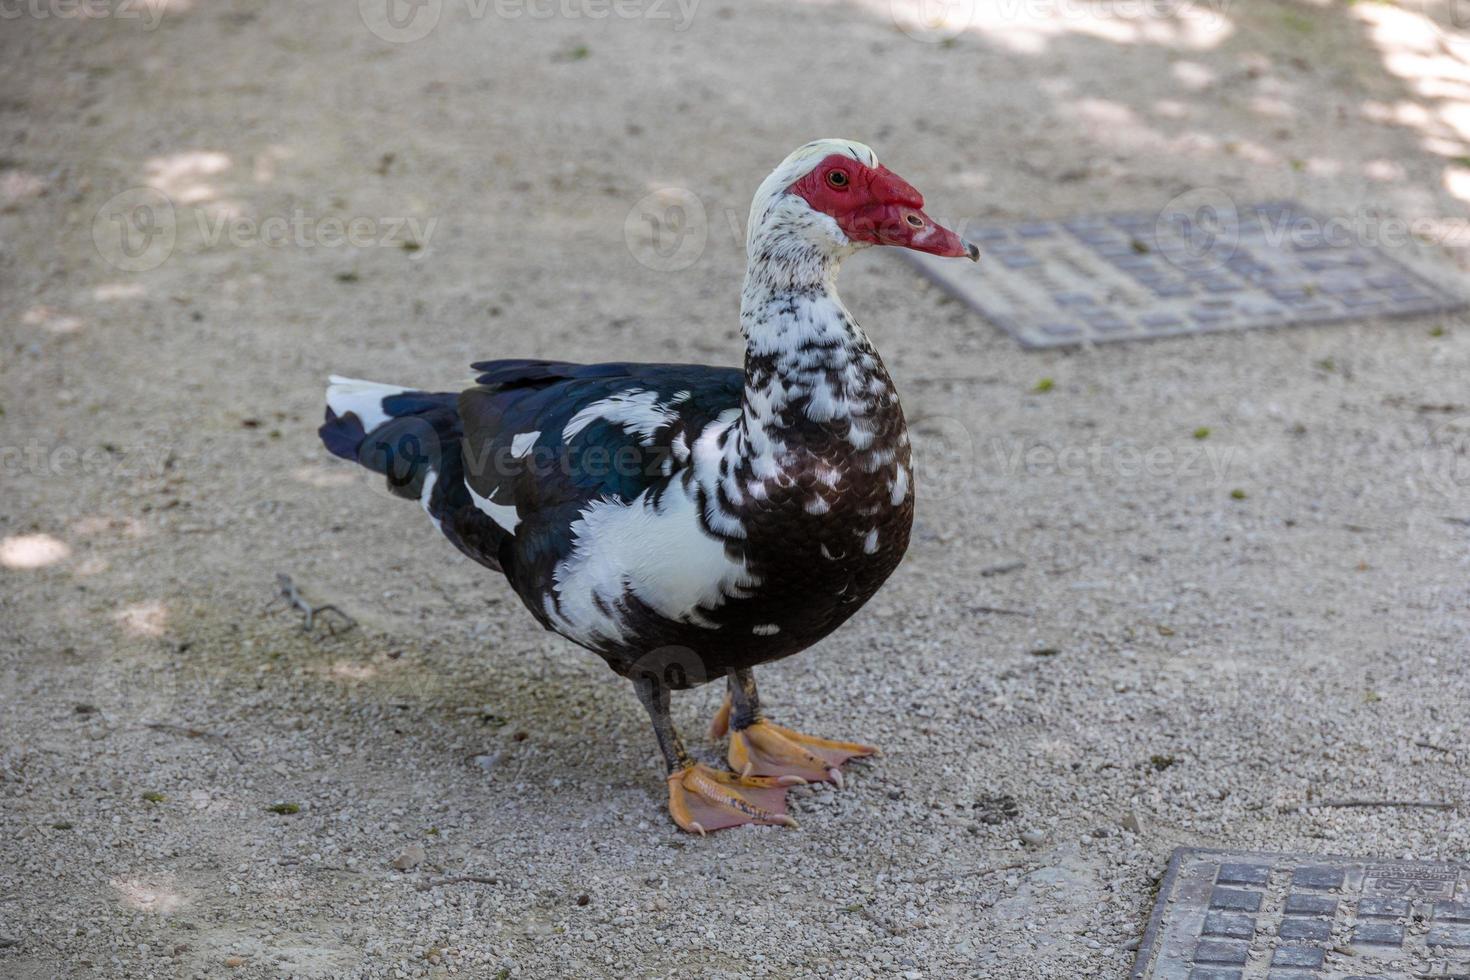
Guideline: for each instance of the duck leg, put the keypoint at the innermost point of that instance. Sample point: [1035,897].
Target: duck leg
[702,799]
[760,748]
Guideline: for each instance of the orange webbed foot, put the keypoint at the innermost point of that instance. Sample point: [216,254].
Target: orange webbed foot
[703,800]
[767,749]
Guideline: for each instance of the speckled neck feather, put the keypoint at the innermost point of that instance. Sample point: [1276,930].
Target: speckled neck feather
[819,417]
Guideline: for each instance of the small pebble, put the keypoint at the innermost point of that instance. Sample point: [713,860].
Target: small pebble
[410,857]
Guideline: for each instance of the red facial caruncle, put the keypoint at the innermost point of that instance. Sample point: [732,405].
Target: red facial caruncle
[875,205]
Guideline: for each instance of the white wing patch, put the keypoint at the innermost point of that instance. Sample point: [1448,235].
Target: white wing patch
[638,411]
[659,555]
[427,494]
[521,445]
[501,514]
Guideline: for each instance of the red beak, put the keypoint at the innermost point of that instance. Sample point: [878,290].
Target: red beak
[909,227]
[896,217]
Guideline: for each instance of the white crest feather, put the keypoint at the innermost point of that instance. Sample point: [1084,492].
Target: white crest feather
[796,166]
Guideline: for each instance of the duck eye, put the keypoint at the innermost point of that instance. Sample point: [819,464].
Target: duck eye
[837,178]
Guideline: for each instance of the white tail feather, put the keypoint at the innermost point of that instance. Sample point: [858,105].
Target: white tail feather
[362,398]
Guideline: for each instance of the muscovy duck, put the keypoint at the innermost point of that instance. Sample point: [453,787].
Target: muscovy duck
[685,522]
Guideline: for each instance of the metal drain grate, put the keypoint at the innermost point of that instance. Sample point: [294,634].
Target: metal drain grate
[1224,915]
[1103,278]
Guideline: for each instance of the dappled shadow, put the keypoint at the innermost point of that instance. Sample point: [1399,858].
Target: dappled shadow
[1360,111]
[139,590]
[1357,109]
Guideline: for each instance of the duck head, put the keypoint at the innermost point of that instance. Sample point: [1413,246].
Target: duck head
[833,196]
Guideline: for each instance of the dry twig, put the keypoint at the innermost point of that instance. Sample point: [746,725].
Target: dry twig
[188,732]
[294,600]
[1420,804]
[424,886]
[969,872]
[1426,744]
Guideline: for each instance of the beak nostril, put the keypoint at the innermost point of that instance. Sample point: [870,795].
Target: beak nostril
[915,221]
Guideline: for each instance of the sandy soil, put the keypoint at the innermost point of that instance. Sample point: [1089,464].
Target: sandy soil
[1191,651]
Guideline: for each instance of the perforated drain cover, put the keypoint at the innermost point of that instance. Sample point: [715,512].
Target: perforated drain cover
[1224,915]
[1186,270]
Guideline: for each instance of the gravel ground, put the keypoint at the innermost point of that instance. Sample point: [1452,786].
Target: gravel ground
[1111,636]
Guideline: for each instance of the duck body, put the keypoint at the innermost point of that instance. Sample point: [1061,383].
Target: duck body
[671,547]
[688,523]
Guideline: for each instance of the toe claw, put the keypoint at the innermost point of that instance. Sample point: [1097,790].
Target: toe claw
[699,827]
[791,780]
[835,775]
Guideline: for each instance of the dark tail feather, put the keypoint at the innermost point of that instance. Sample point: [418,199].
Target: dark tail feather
[342,434]
[412,438]
[405,435]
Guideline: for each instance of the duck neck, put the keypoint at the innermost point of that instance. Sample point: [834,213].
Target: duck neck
[810,372]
